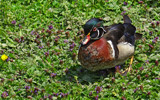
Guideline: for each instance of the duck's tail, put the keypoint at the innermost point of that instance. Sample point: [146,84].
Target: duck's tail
[126,19]
[130,31]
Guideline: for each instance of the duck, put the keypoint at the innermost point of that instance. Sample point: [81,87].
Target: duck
[105,47]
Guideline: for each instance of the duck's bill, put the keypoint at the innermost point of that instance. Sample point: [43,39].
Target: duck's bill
[86,40]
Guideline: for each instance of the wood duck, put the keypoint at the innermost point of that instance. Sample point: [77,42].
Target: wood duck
[105,47]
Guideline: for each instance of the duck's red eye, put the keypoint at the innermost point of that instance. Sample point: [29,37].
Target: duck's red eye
[94,29]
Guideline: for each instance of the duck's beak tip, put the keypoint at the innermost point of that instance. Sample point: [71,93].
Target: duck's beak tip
[86,40]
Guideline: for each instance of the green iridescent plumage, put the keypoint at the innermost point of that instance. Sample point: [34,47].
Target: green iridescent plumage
[94,22]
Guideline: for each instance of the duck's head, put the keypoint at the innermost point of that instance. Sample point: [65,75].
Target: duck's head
[93,30]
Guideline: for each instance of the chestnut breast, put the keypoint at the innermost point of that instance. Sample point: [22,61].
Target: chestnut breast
[95,53]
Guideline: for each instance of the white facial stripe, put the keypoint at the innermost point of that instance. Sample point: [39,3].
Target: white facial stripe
[111,44]
[103,29]
[98,33]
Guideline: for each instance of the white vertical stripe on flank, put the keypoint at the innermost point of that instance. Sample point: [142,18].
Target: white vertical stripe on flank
[111,44]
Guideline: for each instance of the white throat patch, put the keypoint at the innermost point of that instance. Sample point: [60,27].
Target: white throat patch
[111,44]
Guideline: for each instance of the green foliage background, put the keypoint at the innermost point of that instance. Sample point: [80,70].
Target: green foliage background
[29,66]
